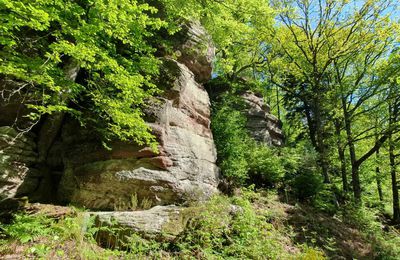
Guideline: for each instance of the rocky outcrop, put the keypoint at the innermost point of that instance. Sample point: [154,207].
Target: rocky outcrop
[97,178]
[17,156]
[183,170]
[64,161]
[195,50]
[261,124]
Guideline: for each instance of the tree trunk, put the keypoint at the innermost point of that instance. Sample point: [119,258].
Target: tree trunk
[379,184]
[311,126]
[321,149]
[393,114]
[395,189]
[355,174]
[278,103]
[378,179]
[343,170]
[342,158]
[353,159]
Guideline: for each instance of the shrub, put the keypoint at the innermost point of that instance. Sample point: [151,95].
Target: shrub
[231,139]
[301,174]
[325,199]
[265,167]
[25,228]
[306,185]
[223,231]
[241,159]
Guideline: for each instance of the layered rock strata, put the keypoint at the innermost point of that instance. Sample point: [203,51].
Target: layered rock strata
[261,124]
[184,169]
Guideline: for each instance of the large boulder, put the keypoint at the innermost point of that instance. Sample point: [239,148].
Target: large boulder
[160,222]
[184,169]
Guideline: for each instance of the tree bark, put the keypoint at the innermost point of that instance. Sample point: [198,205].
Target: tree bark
[342,158]
[393,116]
[321,149]
[352,151]
[395,189]
[378,179]
[379,184]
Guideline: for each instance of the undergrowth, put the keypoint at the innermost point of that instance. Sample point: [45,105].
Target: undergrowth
[384,239]
[223,228]
[248,225]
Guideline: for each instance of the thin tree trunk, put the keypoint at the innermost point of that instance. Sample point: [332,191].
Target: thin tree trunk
[342,158]
[378,178]
[393,113]
[323,160]
[277,103]
[395,189]
[355,175]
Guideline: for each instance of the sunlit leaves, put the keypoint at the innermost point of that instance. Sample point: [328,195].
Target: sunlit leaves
[106,40]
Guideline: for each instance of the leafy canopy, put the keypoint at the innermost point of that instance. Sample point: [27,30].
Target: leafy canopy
[107,41]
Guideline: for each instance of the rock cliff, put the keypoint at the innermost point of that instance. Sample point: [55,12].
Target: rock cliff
[59,161]
[69,165]
[183,169]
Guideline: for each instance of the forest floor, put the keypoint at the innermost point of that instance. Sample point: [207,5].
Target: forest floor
[305,225]
[299,225]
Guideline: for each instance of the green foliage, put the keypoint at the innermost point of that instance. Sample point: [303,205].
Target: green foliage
[306,185]
[265,165]
[244,161]
[106,41]
[325,199]
[241,159]
[301,174]
[27,228]
[311,254]
[222,228]
[385,243]
[231,138]
[239,29]
[230,228]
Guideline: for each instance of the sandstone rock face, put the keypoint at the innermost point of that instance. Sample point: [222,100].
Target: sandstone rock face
[263,126]
[184,169]
[64,161]
[17,154]
[196,50]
